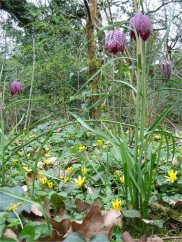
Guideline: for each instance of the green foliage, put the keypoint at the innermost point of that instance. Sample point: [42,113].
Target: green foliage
[131,153]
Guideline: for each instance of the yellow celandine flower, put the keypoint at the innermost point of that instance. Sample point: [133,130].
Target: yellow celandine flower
[28,155]
[100,142]
[122,180]
[84,170]
[14,162]
[46,149]
[180,148]
[102,106]
[180,157]
[157,136]
[43,180]
[70,169]
[48,161]
[88,133]
[116,204]
[82,147]
[171,176]
[79,181]
[19,153]
[116,173]
[50,184]
[27,169]
[11,208]
[64,179]
[47,154]
[40,173]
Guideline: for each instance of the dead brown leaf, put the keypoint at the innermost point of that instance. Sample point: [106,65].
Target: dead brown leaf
[96,223]
[59,130]
[143,238]
[176,204]
[10,234]
[36,211]
[60,229]
[30,177]
[126,237]
[175,162]
[154,239]
[81,206]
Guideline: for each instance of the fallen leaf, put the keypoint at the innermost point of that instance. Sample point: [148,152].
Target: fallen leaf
[36,211]
[96,223]
[10,234]
[60,229]
[154,239]
[59,130]
[30,177]
[159,223]
[176,204]
[126,237]
[81,206]
[175,162]
[143,238]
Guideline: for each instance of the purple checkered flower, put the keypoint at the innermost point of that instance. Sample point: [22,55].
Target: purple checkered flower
[115,41]
[15,87]
[142,25]
[166,68]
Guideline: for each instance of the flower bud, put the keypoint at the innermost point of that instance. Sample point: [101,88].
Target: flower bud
[115,41]
[166,68]
[15,87]
[142,25]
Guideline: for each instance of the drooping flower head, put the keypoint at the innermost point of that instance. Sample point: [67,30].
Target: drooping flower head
[166,68]
[15,87]
[115,41]
[142,24]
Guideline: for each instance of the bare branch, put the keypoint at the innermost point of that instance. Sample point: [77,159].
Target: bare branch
[88,10]
[164,4]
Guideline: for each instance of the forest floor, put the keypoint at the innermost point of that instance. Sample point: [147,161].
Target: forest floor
[69,181]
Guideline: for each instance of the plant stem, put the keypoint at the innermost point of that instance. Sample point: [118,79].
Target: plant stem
[2,133]
[28,116]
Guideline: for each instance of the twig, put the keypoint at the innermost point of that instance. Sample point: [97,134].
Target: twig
[172,237]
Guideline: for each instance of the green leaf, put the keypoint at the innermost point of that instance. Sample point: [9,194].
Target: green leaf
[17,102]
[76,237]
[7,240]
[99,238]
[127,84]
[6,201]
[2,226]
[132,213]
[27,233]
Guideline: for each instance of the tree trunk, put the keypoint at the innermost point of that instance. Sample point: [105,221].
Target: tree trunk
[91,47]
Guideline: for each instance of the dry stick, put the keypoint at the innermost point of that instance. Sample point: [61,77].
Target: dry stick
[172,237]
[27,121]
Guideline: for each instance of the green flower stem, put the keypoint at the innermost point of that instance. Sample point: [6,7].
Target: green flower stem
[18,217]
[2,133]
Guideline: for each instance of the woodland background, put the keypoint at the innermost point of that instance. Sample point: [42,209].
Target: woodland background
[46,46]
